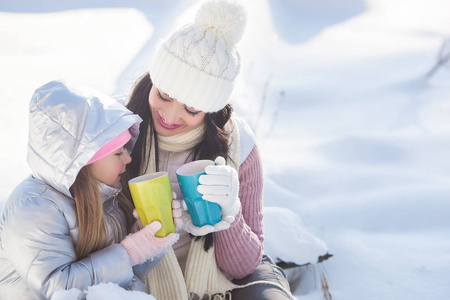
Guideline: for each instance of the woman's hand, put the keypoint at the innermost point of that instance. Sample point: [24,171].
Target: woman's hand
[203,230]
[138,222]
[221,185]
[177,213]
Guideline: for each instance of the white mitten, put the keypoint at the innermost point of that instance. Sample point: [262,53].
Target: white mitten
[177,213]
[221,185]
[138,222]
[203,230]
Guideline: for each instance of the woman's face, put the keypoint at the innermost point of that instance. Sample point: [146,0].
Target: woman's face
[108,169]
[171,117]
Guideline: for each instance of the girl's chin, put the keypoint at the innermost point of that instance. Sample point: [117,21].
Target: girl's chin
[116,184]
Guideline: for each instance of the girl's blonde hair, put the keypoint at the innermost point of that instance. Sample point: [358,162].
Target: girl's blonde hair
[91,223]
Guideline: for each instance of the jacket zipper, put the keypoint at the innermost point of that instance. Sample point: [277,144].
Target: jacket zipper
[115,201]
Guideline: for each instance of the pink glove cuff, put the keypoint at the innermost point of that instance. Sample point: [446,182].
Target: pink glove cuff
[132,248]
[143,245]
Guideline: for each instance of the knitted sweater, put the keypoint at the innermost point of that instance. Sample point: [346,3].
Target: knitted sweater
[239,249]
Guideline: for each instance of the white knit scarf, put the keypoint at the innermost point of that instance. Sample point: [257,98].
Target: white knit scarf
[203,276]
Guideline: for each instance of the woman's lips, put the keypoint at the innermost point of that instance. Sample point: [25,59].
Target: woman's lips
[167,126]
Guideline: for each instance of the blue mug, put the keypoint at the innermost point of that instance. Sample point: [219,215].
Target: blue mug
[202,211]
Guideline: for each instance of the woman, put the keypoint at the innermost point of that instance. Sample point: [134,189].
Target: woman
[183,102]
[66,226]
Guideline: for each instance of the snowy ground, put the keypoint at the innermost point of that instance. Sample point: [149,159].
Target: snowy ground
[354,139]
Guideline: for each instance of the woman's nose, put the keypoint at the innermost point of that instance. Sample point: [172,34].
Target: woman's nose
[170,117]
[172,113]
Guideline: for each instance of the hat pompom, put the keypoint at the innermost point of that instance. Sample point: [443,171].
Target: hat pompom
[227,17]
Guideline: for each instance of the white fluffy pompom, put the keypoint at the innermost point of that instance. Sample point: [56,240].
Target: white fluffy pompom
[227,17]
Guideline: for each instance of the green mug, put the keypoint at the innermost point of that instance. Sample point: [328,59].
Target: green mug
[152,197]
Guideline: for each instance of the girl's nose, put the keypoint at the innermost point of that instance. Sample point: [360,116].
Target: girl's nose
[127,157]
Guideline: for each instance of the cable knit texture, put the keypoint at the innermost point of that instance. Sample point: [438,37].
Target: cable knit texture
[239,249]
[198,64]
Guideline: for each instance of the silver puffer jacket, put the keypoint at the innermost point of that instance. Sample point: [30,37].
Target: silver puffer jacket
[38,225]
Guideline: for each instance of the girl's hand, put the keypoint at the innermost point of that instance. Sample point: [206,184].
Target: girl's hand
[143,245]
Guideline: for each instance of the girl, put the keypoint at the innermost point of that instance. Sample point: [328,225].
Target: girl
[183,102]
[66,226]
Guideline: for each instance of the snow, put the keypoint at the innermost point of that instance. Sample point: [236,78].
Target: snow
[352,135]
[102,291]
[285,235]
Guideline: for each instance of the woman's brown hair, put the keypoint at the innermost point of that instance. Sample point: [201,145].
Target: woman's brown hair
[213,144]
[89,204]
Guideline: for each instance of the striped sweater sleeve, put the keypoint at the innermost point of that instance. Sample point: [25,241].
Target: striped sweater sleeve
[239,249]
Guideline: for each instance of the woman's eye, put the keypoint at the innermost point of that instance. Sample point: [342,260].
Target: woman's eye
[192,113]
[162,98]
[190,110]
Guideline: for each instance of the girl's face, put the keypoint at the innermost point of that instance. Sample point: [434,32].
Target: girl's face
[171,117]
[108,169]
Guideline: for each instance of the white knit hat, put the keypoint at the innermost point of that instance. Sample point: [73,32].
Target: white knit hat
[198,64]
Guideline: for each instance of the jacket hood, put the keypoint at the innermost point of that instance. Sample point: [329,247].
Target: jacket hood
[68,124]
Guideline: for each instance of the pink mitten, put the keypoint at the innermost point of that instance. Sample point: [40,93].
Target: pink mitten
[143,245]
